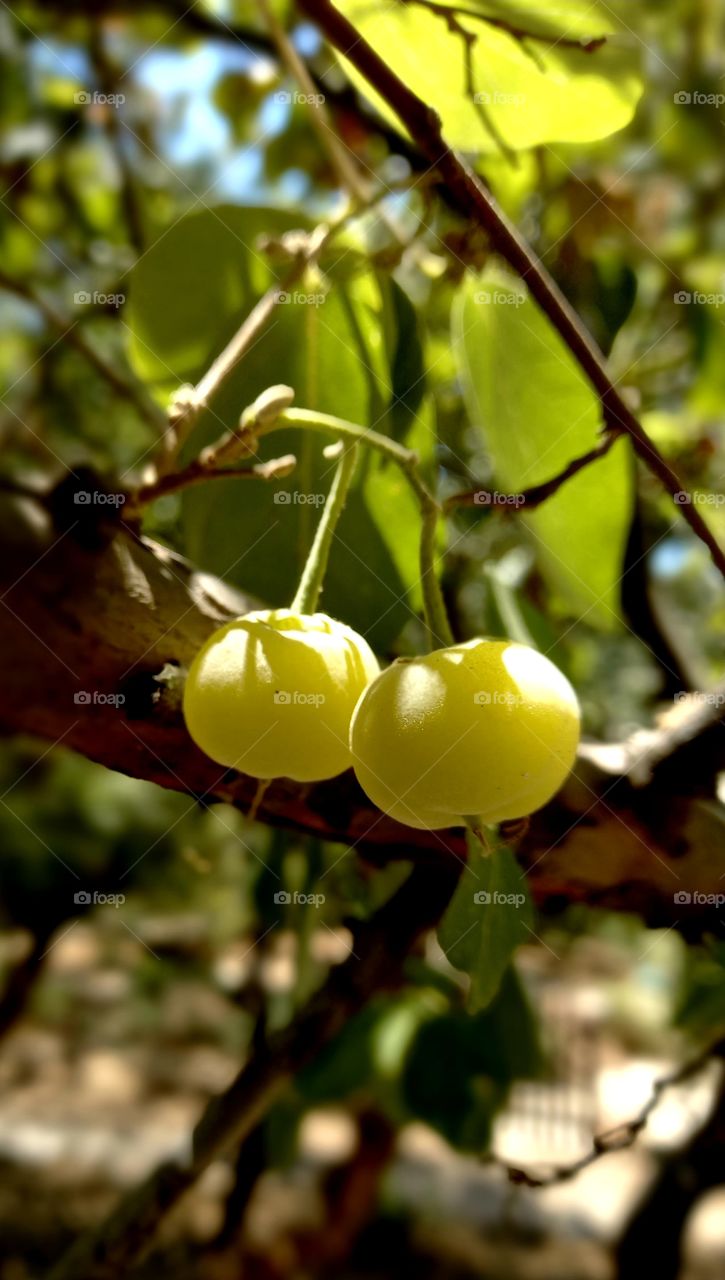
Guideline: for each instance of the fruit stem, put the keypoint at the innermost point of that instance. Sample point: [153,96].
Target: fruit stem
[433,603]
[313,574]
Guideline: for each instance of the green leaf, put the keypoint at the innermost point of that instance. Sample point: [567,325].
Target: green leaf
[488,917]
[460,1066]
[369,1053]
[348,347]
[538,412]
[520,92]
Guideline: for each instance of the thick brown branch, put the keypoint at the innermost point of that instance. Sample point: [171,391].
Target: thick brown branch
[473,201]
[98,610]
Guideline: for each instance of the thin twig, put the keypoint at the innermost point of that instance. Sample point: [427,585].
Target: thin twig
[622,1136]
[108,79]
[537,493]
[473,201]
[350,179]
[183,416]
[501,24]
[197,473]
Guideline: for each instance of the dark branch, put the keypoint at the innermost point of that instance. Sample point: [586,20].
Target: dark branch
[501,24]
[537,493]
[621,1136]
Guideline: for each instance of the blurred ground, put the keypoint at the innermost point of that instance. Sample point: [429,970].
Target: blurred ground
[96,1089]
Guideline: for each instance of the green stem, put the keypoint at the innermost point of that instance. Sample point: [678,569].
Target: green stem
[433,603]
[313,576]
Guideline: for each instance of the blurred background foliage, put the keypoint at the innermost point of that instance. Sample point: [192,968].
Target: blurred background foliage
[151,161]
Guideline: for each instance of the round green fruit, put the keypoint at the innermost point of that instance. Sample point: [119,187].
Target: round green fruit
[271,694]
[487,729]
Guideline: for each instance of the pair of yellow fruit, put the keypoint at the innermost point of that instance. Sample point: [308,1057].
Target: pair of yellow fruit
[486,728]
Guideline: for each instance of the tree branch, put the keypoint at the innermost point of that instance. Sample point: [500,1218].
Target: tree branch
[90,606]
[473,201]
[622,1136]
[375,964]
[501,24]
[537,493]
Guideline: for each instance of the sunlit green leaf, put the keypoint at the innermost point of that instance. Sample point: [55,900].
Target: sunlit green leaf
[538,412]
[517,92]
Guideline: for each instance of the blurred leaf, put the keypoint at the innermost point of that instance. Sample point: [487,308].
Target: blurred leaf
[538,412]
[701,1006]
[488,917]
[459,1067]
[369,1053]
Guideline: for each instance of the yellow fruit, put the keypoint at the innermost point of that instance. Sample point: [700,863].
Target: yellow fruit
[271,694]
[486,729]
